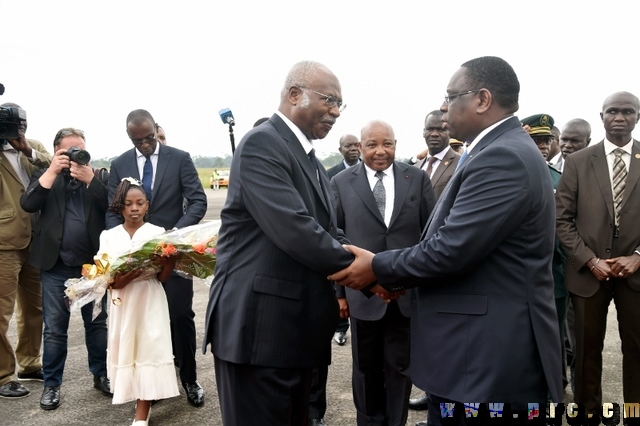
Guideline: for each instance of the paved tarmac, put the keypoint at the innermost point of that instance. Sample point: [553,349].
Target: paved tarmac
[83,405]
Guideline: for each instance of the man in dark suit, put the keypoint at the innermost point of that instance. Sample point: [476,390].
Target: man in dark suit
[380,331]
[72,202]
[169,177]
[272,310]
[483,325]
[598,200]
[350,150]
[441,160]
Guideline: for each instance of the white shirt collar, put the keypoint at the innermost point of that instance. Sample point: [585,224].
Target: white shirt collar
[609,147]
[306,143]
[485,132]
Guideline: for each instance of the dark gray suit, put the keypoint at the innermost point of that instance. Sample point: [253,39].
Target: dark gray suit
[380,332]
[484,325]
[176,178]
[272,311]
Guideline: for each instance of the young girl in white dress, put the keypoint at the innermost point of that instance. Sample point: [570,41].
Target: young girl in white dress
[139,352]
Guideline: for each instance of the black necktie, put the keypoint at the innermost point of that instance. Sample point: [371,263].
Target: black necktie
[147,176]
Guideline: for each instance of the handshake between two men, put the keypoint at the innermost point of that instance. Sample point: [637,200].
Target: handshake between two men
[359,275]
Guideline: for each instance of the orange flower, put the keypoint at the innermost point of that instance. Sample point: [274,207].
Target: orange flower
[199,248]
[168,250]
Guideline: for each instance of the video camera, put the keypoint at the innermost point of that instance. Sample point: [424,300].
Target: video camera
[78,155]
[10,119]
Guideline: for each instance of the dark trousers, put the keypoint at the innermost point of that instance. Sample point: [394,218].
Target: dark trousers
[343,325]
[183,328]
[318,394]
[56,318]
[251,395]
[569,346]
[381,381]
[591,324]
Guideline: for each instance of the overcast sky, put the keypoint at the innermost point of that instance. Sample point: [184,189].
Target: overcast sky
[88,64]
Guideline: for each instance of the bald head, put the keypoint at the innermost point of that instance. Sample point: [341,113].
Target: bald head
[378,145]
[576,135]
[350,149]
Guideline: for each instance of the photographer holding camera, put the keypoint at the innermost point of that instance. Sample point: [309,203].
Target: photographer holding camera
[72,200]
[20,288]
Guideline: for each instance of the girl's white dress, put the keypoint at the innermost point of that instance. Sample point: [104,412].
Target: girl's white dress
[139,351]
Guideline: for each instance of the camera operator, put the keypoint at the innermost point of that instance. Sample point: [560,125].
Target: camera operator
[73,195]
[19,282]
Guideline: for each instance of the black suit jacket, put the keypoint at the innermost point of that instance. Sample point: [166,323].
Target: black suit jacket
[484,326]
[176,178]
[270,303]
[359,218]
[45,247]
[336,169]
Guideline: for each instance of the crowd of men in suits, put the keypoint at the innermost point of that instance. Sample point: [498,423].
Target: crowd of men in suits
[440,265]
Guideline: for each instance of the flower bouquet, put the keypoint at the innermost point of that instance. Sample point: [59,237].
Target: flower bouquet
[194,246]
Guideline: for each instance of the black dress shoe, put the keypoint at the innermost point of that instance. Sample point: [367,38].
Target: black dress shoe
[13,390]
[50,399]
[36,376]
[340,337]
[419,403]
[195,393]
[103,384]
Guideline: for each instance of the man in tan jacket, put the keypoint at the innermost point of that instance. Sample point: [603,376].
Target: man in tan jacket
[19,282]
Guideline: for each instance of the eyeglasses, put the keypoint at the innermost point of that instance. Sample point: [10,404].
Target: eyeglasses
[450,98]
[148,139]
[330,101]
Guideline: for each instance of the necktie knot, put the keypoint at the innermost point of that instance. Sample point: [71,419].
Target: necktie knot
[379,175]
[618,152]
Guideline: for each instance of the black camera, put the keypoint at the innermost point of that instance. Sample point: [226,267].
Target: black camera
[10,119]
[78,155]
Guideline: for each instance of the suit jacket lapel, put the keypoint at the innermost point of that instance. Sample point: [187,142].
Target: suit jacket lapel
[361,186]
[443,166]
[480,145]
[601,172]
[164,157]
[312,174]
[60,193]
[634,171]
[402,184]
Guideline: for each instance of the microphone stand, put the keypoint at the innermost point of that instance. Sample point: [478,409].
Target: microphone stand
[233,141]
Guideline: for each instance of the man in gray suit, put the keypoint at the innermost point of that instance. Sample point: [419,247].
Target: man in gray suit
[598,200]
[380,331]
[172,182]
[441,160]
[484,324]
[272,310]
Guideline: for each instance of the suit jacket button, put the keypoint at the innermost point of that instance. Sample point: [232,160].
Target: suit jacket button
[608,250]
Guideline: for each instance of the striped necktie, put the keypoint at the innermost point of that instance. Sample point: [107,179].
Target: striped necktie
[619,182]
